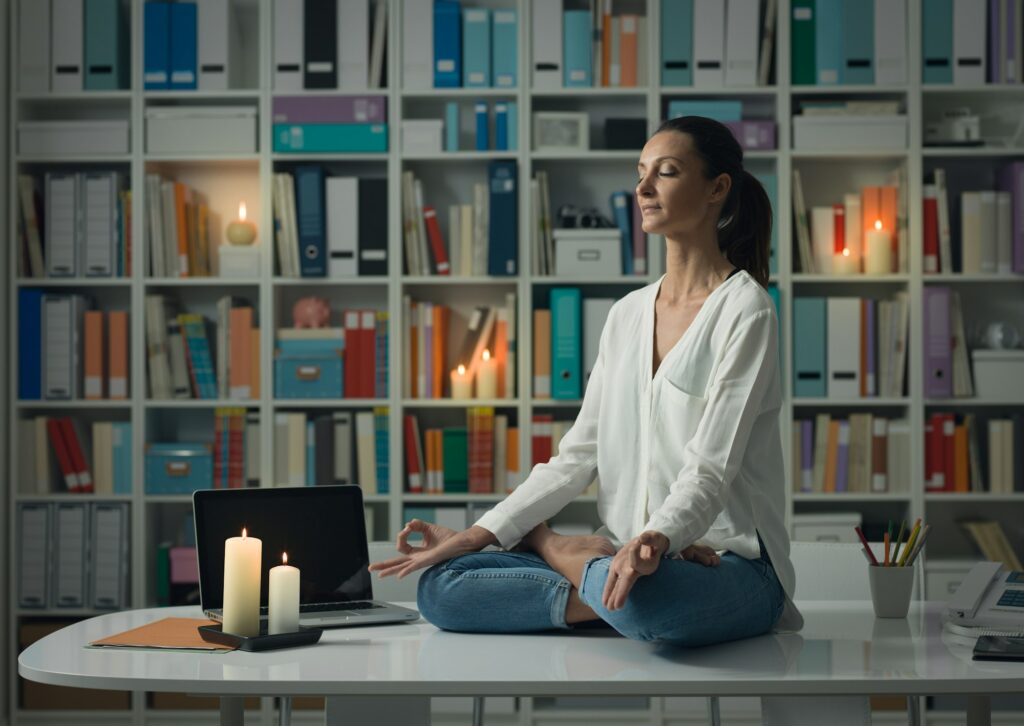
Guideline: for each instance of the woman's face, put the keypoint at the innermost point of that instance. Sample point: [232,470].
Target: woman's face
[673,194]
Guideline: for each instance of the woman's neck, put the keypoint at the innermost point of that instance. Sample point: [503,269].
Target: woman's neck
[692,270]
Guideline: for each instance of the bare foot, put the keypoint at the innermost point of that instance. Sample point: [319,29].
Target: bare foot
[567,553]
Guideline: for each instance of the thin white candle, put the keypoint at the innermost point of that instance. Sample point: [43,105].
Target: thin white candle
[845,263]
[878,260]
[242,557]
[462,384]
[283,610]
[487,377]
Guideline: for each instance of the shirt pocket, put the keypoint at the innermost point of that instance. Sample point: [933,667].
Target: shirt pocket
[679,415]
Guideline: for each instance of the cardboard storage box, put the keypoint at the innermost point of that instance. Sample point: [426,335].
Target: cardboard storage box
[999,374]
[854,131]
[826,527]
[201,130]
[75,138]
[595,252]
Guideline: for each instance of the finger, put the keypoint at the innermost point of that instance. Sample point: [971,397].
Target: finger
[386,569]
[386,563]
[609,587]
[622,588]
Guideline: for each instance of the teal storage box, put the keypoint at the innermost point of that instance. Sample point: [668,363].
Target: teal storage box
[308,375]
[178,468]
[331,138]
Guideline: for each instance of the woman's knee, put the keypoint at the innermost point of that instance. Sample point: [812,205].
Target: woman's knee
[433,597]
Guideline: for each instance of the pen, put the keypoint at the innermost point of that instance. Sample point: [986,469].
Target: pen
[886,539]
[867,547]
[910,541]
[919,545]
[899,540]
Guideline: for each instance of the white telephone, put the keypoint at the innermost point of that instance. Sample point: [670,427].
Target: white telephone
[990,600]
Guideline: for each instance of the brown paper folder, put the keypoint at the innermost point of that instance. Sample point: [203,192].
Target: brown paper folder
[171,633]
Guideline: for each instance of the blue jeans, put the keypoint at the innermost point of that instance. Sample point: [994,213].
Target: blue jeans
[683,603]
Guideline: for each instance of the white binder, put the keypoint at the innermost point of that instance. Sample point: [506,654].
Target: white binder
[890,42]
[33,554]
[742,42]
[709,43]
[969,62]
[109,555]
[99,222]
[217,46]
[547,45]
[289,46]
[33,46]
[67,45]
[62,325]
[823,238]
[61,227]
[843,347]
[342,203]
[353,44]
[595,313]
[70,554]
[418,44]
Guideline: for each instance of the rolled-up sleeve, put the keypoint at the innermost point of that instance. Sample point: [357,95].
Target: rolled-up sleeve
[712,457]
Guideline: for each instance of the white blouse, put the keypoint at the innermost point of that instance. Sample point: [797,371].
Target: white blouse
[693,452]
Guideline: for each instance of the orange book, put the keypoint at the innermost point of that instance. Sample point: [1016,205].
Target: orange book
[628,50]
[961,480]
[501,351]
[117,383]
[440,336]
[240,350]
[254,361]
[542,354]
[832,456]
[888,206]
[181,215]
[94,354]
[870,211]
[512,458]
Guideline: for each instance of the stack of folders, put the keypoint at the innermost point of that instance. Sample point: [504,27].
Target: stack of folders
[72,555]
[958,458]
[192,45]
[446,45]
[547,434]
[482,237]
[752,134]
[947,373]
[325,44]
[329,226]
[990,242]
[849,348]
[334,124]
[954,46]
[177,228]
[79,227]
[313,450]
[565,343]
[860,454]
[51,456]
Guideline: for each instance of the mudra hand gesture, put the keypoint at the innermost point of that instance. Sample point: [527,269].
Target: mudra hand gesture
[439,544]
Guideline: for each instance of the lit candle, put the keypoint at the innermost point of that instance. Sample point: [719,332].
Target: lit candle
[845,263]
[240,231]
[462,384]
[242,556]
[878,260]
[283,603]
[487,377]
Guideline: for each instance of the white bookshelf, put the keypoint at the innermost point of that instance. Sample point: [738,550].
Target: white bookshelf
[582,177]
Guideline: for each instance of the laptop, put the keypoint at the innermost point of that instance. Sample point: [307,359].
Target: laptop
[323,531]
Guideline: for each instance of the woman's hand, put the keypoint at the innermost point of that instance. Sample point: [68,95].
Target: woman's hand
[702,554]
[640,556]
[439,544]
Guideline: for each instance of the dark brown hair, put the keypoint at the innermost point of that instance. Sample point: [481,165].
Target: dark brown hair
[745,223]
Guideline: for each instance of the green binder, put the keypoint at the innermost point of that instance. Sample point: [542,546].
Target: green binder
[455,453]
[804,70]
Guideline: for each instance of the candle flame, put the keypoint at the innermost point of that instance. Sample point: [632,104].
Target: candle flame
[846,252]
[243,532]
[487,354]
[462,370]
[241,211]
[284,557]
[878,224]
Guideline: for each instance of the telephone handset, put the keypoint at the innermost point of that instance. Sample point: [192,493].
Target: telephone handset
[990,598]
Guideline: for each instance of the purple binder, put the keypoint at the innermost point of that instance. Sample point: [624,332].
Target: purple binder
[330,110]
[938,361]
[1011,179]
[807,455]
[754,135]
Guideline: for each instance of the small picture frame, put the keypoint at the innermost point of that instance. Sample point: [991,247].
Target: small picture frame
[561,131]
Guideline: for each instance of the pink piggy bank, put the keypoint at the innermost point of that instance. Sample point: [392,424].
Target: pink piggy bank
[311,312]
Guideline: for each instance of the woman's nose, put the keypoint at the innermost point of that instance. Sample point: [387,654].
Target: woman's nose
[643,187]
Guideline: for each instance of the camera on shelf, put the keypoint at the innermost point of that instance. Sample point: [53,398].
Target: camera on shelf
[957,127]
[572,217]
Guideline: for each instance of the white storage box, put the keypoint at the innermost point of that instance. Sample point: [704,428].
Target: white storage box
[588,252]
[72,138]
[999,374]
[201,130]
[943,577]
[856,131]
[239,261]
[422,136]
[826,527]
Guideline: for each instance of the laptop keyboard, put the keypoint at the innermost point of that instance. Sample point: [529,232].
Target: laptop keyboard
[319,607]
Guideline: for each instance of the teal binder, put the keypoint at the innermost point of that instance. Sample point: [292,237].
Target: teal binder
[724,110]
[566,341]
[770,181]
[802,51]
[476,47]
[106,46]
[858,42]
[330,137]
[451,126]
[677,42]
[809,347]
[828,42]
[504,48]
[937,41]
[576,49]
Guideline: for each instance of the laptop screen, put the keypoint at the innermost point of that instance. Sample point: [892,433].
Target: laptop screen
[321,528]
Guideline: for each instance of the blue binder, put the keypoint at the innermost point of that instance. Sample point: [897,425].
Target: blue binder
[770,182]
[30,344]
[483,141]
[622,205]
[566,334]
[183,46]
[447,44]
[501,126]
[828,42]
[106,46]
[576,49]
[504,48]
[677,42]
[858,42]
[476,48]
[937,41]
[311,220]
[503,223]
[809,347]
[451,126]
[157,51]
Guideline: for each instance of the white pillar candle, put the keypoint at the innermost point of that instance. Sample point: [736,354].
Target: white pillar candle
[283,609]
[242,557]
[878,259]
[845,263]
[462,384]
[487,377]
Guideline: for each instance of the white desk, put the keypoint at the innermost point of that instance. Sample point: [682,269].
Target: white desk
[843,649]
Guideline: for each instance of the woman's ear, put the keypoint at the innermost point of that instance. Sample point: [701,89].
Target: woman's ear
[720,188]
